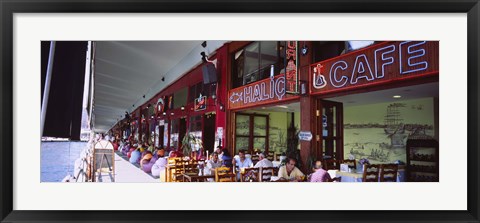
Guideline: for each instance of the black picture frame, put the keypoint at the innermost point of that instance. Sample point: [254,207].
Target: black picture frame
[9,7]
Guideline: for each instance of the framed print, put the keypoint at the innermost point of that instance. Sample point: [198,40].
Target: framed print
[429,43]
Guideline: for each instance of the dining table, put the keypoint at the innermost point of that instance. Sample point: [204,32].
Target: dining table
[358,176]
[194,177]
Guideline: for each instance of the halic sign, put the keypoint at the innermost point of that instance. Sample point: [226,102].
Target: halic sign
[375,65]
[260,92]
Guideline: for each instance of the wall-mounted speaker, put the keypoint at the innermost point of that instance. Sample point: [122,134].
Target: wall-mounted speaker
[209,73]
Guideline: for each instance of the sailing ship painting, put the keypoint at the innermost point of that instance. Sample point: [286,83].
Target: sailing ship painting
[393,121]
[382,137]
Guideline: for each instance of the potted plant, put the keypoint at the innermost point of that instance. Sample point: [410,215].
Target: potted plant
[191,145]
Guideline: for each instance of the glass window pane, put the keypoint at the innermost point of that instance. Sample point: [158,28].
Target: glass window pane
[260,126]
[241,143]
[269,53]
[258,144]
[242,125]
[251,63]
[180,98]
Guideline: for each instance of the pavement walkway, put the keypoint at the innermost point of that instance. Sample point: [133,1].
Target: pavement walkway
[125,172]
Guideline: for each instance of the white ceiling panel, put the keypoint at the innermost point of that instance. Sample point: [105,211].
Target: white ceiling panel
[124,71]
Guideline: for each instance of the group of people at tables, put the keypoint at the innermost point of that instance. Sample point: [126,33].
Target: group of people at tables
[154,161]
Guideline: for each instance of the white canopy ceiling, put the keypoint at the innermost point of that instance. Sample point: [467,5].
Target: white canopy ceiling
[124,71]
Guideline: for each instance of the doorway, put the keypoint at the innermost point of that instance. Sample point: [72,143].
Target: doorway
[182,130]
[329,128]
[209,133]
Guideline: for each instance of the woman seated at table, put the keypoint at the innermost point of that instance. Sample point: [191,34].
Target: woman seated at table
[226,159]
[290,172]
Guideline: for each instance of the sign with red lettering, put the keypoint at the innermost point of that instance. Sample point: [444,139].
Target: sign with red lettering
[291,76]
[261,92]
[200,103]
[378,64]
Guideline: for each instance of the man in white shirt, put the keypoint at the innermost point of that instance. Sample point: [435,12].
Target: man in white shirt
[212,163]
[241,162]
[263,162]
[218,150]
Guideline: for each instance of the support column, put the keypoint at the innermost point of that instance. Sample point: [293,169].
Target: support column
[307,109]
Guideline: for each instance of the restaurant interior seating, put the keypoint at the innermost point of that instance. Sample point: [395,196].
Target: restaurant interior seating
[224,174]
[351,163]
[250,175]
[255,159]
[179,169]
[371,172]
[270,155]
[172,160]
[266,173]
[388,172]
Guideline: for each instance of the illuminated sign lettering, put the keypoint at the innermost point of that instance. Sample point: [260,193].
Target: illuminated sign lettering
[291,76]
[269,89]
[384,62]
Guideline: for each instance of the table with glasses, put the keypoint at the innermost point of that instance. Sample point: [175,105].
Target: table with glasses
[358,176]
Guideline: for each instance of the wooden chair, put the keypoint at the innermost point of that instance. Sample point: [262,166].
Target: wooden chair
[255,159]
[250,175]
[331,164]
[191,168]
[172,160]
[266,173]
[351,163]
[270,155]
[388,172]
[179,170]
[224,174]
[370,172]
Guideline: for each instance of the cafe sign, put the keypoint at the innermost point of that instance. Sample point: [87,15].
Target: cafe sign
[291,75]
[378,64]
[261,92]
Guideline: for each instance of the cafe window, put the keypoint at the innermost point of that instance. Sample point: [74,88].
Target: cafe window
[251,132]
[174,134]
[180,98]
[323,50]
[254,62]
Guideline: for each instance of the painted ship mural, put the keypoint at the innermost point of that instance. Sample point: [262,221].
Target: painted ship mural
[384,142]
[393,120]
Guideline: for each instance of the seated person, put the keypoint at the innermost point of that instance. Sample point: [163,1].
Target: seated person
[241,162]
[320,175]
[290,172]
[219,151]
[145,158]
[226,159]
[135,156]
[158,168]
[263,161]
[212,163]
[133,148]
